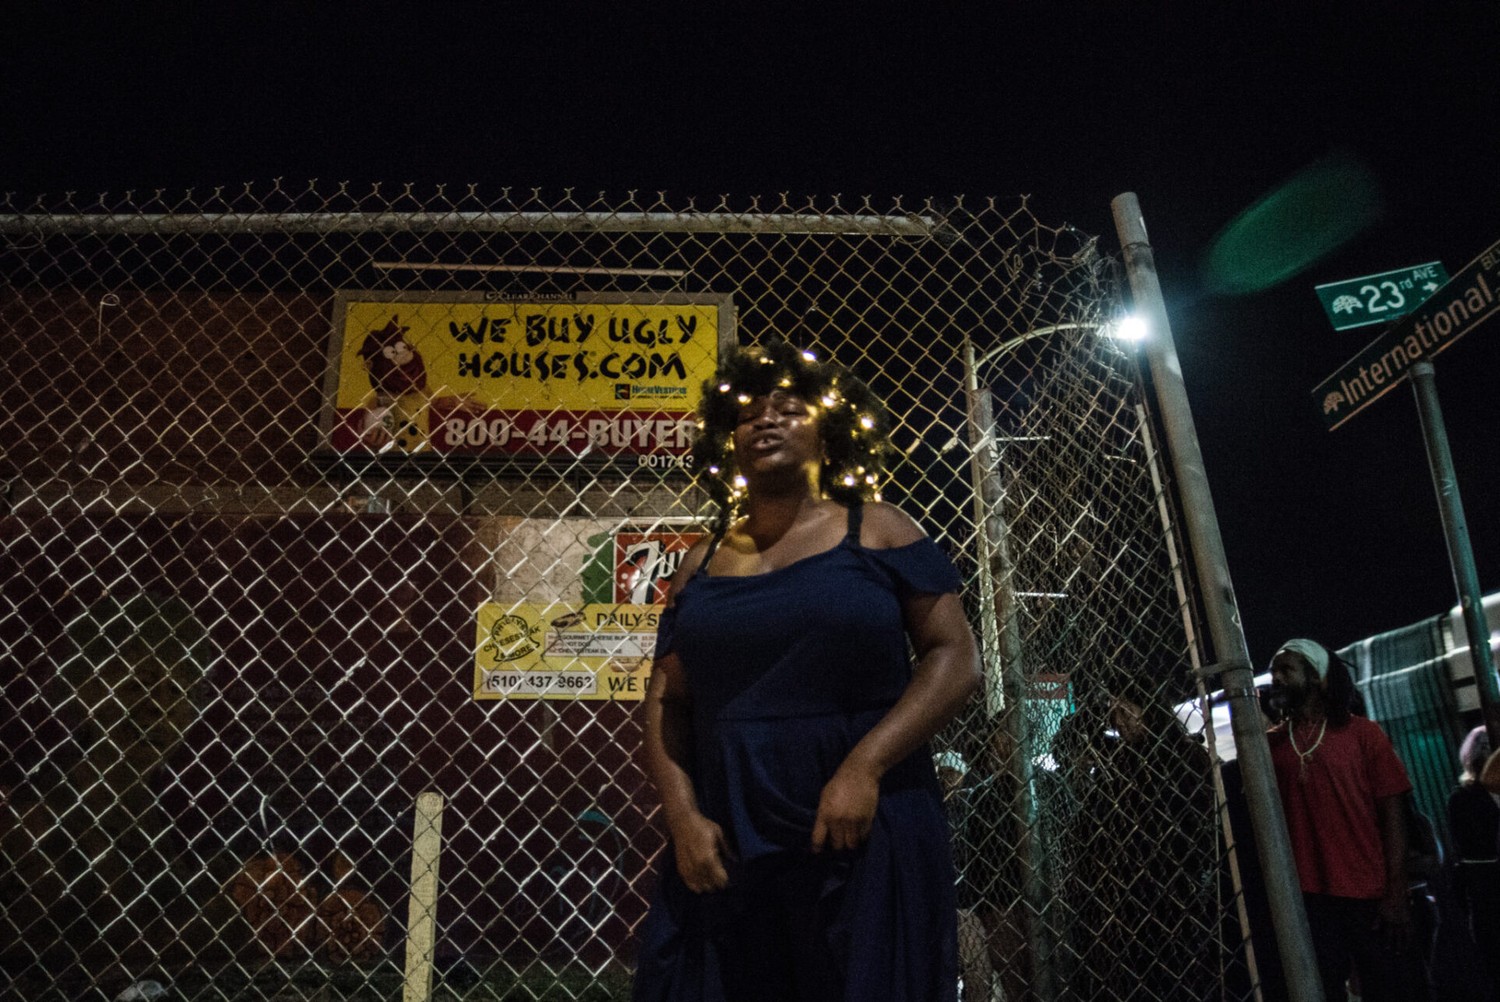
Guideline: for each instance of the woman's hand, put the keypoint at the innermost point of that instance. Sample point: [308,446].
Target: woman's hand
[846,809]
[700,849]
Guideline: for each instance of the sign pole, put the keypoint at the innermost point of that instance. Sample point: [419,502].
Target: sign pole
[1283,890]
[1460,554]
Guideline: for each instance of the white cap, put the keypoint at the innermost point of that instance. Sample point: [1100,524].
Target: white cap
[951,760]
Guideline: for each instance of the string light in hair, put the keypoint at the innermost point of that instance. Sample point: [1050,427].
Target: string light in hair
[852,421]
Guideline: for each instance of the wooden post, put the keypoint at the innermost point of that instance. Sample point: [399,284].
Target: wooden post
[421,922]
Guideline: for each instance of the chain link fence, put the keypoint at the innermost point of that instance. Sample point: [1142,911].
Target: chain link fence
[318,501]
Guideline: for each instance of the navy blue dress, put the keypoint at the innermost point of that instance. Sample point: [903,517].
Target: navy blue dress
[787,671]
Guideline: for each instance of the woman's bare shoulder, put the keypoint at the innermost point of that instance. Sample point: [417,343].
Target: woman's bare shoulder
[886,526]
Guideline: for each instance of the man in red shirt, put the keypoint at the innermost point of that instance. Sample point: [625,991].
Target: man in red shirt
[1343,789]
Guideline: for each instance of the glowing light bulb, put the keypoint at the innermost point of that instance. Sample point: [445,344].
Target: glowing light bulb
[723,387]
[808,356]
[866,422]
[1129,329]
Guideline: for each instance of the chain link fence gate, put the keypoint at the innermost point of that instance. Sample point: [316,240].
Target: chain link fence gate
[318,501]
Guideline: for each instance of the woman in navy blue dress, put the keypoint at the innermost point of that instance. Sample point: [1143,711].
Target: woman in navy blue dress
[786,724]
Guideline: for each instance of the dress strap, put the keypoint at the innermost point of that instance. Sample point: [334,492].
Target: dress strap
[713,546]
[856,517]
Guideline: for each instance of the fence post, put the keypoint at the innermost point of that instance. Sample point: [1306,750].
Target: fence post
[1002,636]
[421,923]
[1282,888]
[1158,484]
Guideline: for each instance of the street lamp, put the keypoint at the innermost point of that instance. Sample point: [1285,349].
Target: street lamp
[1000,628]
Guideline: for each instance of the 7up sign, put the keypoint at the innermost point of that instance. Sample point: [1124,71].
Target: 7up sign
[1381,298]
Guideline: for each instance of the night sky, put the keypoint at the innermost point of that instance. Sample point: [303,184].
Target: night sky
[1201,113]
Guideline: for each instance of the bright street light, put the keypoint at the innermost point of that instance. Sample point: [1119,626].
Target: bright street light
[1129,328]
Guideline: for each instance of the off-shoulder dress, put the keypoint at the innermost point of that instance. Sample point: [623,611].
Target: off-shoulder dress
[786,671]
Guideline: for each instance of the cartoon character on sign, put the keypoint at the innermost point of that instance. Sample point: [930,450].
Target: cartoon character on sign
[399,379]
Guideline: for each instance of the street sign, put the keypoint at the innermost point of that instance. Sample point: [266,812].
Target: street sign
[1379,298]
[1452,311]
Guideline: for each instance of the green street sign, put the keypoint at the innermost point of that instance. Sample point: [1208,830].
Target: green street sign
[1463,303]
[1379,298]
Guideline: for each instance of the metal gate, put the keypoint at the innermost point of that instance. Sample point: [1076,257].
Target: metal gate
[318,501]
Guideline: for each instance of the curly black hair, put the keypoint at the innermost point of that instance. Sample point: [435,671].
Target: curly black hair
[854,424]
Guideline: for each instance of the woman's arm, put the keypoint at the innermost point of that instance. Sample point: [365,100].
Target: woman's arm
[947,674]
[697,843]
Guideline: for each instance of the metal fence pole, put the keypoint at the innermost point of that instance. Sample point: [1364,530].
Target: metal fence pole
[1292,932]
[1460,553]
[998,610]
[1220,798]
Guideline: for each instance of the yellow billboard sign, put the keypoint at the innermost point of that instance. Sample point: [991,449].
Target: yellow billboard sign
[597,651]
[461,374]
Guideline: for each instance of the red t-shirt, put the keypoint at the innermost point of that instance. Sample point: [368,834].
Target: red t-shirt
[1330,810]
